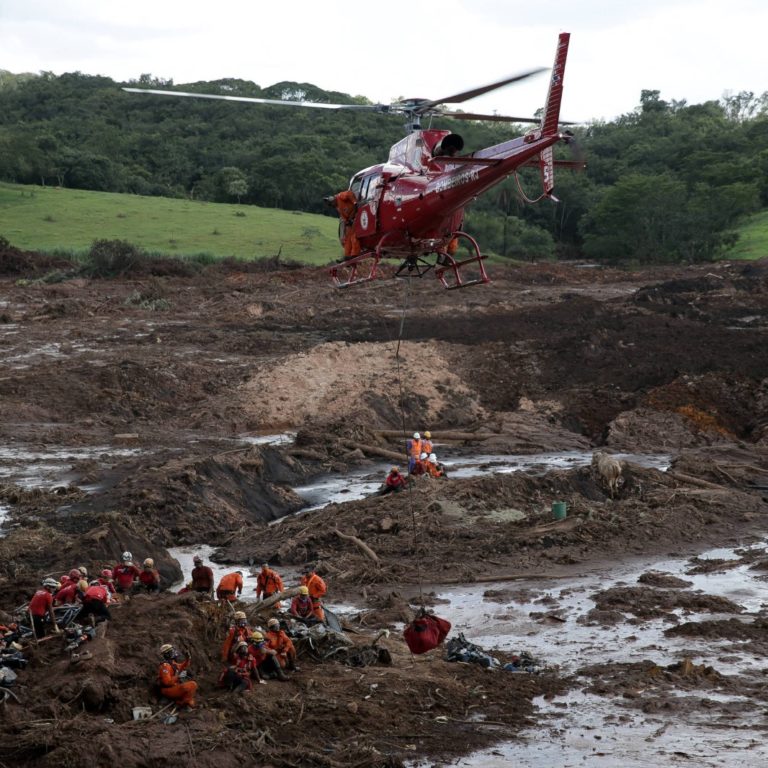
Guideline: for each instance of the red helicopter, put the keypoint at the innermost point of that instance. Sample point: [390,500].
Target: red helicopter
[412,207]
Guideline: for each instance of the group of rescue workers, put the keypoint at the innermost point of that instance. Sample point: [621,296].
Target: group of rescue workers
[249,653]
[422,460]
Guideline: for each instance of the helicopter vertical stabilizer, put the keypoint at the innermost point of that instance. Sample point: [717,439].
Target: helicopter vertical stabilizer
[551,117]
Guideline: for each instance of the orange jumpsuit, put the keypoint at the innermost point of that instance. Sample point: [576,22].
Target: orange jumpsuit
[234,636]
[346,203]
[283,644]
[317,589]
[170,686]
[230,587]
[433,469]
[267,583]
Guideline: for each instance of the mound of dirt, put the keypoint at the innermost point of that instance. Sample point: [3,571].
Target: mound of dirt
[649,603]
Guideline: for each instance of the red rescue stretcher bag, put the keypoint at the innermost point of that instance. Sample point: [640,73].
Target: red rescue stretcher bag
[425,633]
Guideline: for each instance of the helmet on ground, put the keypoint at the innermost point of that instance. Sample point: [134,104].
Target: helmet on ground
[240,615]
[82,585]
[149,563]
[51,583]
[256,636]
[423,456]
[82,570]
[394,470]
[166,650]
[273,622]
[74,574]
[433,458]
[197,559]
[416,436]
[428,435]
[106,574]
[127,556]
[303,590]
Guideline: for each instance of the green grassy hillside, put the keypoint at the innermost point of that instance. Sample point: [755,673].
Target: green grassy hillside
[50,218]
[753,238]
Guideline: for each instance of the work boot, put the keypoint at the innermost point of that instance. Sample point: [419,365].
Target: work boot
[280,675]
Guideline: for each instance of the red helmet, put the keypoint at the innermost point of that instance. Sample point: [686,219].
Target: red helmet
[106,574]
[75,574]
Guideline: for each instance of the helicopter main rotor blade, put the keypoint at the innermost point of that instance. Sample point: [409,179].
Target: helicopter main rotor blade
[457,98]
[254,100]
[496,118]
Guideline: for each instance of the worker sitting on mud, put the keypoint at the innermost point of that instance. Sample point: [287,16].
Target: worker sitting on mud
[172,676]
[125,574]
[302,608]
[394,483]
[41,608]
[433,466]
[268,583]
[240,671]
[419,466]
[95,601]
[317,589]
[230,587]
[149,578]
[414,449]
[107,581]
[237,632]
[278,640]
[202,577]
[345,204]
[265,657]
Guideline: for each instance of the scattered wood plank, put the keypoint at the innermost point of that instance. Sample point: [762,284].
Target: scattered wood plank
[374,451]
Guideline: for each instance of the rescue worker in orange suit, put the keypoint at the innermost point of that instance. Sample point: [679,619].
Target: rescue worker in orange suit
[346,205]
[280,642]
[172,676]
[265,657]
[414,449]
[426,443]
[41,607]
[202,577]
[230,587]
[239,631]
[149,578]
[394,482]
[302,608]
[317,590]
[241,670]
[95,601]
[434,467]
[268,583]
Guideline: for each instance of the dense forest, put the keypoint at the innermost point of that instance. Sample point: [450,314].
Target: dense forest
[666,182]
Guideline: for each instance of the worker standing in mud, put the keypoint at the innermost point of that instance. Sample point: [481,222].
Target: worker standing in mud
[125,574]
[41,608]
[172,676]
[317,589]
[268,583]
[230,587]
[414,450]
[202,577]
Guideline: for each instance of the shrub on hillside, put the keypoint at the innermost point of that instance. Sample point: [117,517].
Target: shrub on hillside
[110,258]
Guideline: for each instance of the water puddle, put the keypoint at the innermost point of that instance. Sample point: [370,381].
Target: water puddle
[4,512]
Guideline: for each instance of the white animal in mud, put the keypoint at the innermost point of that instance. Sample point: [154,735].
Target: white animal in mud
[608,469]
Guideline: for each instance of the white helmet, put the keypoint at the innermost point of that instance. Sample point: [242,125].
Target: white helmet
[432,458]
[127,556]
[422,457]
[416,436]
[51,583]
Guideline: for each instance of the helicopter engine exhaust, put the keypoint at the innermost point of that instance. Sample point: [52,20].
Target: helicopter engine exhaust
[449,145]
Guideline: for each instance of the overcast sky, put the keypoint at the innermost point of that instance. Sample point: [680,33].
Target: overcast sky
[688,49]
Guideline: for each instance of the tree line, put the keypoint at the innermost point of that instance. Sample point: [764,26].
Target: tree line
[669,181]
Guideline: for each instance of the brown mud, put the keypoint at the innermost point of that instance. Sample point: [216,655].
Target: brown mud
[179,368]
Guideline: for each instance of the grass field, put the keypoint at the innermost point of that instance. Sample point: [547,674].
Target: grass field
[753,238]
[50,219]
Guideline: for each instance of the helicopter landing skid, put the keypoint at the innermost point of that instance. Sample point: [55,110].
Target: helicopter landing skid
[448,270]
[346,273]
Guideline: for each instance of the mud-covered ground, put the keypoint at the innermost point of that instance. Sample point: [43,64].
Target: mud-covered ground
[129,412]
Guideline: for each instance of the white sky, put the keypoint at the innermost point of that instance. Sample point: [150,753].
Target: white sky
[688,49]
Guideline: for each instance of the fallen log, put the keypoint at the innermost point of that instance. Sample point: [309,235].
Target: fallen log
[307,453]
[364,548]
[373,451]
[268,602]
[396,434]
[693,480]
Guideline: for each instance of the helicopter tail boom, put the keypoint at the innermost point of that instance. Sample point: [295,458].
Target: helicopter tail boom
[551,118]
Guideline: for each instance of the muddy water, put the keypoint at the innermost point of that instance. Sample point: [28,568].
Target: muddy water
[585,729]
